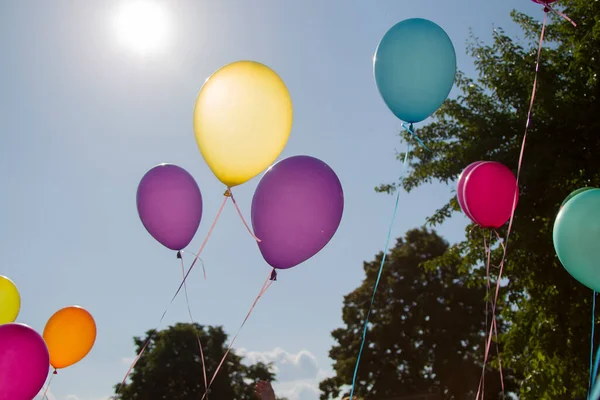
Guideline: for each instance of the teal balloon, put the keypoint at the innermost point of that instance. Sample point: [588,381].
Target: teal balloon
[414,68]
[576,237]
[575,193]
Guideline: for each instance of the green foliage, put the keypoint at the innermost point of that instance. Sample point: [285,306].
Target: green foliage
[171,367]
[426,327]
[547,341]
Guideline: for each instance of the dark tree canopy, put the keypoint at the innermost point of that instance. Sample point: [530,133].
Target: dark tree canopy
[171,367]
[547,341]
[426,327]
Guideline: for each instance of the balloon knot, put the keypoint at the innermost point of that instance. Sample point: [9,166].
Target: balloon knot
[227,193]
[179,255]
[546,9]
[55,372]
[273,275]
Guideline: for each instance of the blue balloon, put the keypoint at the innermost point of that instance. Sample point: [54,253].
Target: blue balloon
[576,237]
[414,67]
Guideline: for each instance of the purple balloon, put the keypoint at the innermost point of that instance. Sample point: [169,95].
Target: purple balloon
[24,362]
[170,205]
[296,210]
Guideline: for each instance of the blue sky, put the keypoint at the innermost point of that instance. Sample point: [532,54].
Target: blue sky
[82,118]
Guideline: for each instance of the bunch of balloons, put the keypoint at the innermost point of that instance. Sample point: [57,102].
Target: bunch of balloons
[26,356]
[242,122]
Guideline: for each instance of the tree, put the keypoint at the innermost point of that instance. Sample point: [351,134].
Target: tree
[171,367]
[547,341]
[426,327]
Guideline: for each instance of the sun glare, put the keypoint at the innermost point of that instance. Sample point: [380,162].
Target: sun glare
[142,26]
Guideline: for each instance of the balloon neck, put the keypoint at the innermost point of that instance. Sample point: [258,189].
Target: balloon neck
[55,372]
[227,193]
[179,255]
[273,275]
[546,8]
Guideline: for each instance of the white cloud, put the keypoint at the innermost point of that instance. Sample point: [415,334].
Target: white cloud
[302,365]
[298,374]
[298,390]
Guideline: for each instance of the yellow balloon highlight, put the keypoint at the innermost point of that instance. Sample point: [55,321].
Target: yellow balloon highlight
[242,120]
[70,335]
[10,301]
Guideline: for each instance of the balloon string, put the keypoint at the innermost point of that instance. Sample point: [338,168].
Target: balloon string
[519,165]
[201,262]
[45,395]
[592,343]
[493,327]
[488,252]
[410,129]
[230,194]
[385,251]
[172,299]
[548,7]
[210,231]
[488,255]
[596,386]
[268,282]
[596,390]
[187,301]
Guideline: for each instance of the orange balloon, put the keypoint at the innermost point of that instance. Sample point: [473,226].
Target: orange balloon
[69,334]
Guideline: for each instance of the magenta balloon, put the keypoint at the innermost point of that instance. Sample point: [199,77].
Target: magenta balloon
[296,209]
[24,362]
[461,183]
[489,193]
[170,205]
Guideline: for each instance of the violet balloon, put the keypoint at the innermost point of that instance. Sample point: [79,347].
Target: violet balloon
[489,193]
[24,362]
[169,204]
[296,209]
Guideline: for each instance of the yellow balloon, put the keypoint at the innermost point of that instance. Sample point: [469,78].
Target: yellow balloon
[70,335]
[242,120]
[10,301]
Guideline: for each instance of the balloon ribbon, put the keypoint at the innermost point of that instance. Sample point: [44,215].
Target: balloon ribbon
[410,130]
[494,327]
[187,301]
[596,386]
[172,299]
[593,371]
[268,282]
[45,395]
[547,8]
[228,194]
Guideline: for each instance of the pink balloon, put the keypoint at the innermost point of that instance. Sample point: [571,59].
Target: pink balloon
[488,194]
[460,186]
[24,362]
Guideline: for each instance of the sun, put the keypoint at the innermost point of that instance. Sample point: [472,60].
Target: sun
[142,26]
